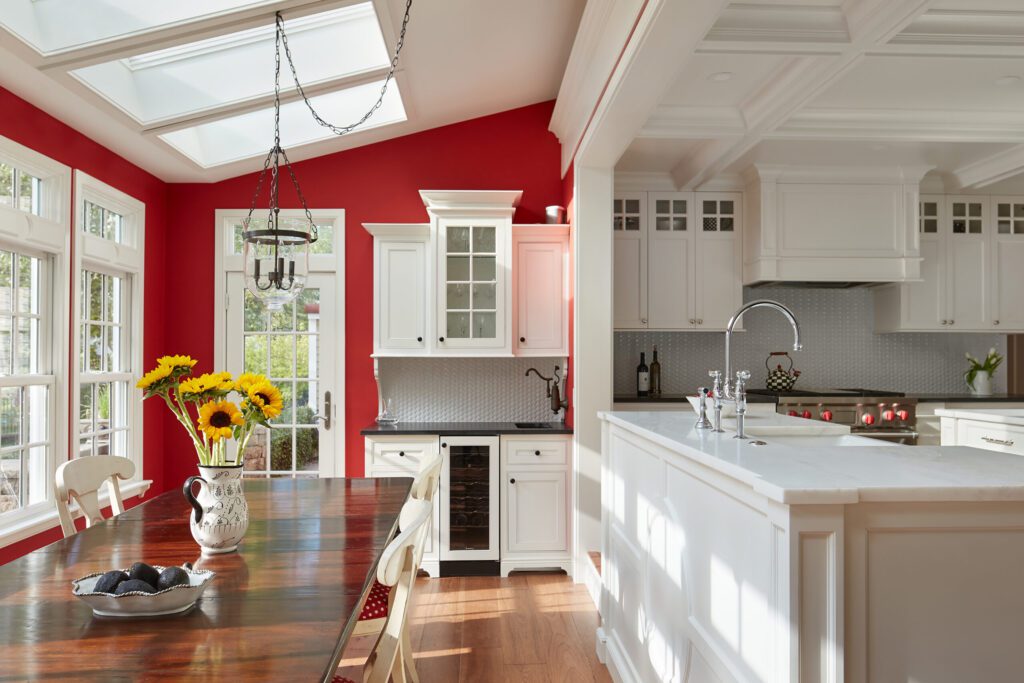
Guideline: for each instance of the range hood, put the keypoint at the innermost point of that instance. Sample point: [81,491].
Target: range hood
[831,226]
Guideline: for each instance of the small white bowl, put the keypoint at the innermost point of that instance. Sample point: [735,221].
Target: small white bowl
[171,600]
[728,407]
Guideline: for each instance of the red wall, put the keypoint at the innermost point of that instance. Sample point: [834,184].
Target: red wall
[33,128]
[376,183]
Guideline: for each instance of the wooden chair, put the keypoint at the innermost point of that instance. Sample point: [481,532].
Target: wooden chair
[397,570]
[377,605]
[81,480]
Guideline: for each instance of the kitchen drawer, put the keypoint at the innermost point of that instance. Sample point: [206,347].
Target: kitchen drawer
[537,452]
[402,455]
[990,436]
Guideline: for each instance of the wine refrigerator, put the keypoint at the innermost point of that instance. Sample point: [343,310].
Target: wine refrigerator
[469,505]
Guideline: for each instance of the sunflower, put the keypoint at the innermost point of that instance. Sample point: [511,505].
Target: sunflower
[217,417]
[176,362]
[154,376]
[216,382]
[246,380]
[267,398]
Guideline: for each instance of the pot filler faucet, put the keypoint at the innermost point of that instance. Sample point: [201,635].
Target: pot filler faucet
[724,387]
[554,393]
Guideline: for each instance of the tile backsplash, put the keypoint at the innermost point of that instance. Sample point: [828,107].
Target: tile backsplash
[467,389]
[840,349]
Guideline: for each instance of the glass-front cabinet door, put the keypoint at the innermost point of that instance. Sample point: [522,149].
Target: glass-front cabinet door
[472,281]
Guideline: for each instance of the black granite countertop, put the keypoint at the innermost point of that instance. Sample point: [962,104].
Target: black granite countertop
[678,398]
[467,428]
[969,398]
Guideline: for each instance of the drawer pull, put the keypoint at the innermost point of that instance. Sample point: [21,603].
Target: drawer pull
[998,442]
[536,452]
[401,454]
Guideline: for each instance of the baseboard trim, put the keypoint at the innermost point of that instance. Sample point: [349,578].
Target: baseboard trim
[618,665]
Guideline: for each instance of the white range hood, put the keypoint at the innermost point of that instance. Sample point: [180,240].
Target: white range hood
[831,225]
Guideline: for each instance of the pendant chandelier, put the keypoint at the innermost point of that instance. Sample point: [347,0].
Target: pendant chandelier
[276,255]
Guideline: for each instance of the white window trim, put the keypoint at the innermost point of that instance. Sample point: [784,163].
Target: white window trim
[101,255]
[48,234]
[225,262]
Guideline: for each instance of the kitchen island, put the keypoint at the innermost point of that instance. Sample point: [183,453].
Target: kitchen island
[813,557]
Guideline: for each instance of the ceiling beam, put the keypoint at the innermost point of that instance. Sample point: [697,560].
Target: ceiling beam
[984,172]
[162,37]
[797,82]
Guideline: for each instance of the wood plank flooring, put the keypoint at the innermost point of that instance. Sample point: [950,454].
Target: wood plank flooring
[528,628]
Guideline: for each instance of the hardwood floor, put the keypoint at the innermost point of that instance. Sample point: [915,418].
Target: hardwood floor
[528,628]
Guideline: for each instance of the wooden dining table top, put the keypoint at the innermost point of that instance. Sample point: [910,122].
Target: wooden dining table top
[281,608]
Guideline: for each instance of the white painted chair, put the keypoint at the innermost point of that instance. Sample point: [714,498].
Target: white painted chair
[377,606]
[81,480]
[397,570]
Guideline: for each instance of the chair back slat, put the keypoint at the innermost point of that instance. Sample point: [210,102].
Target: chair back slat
[80,480]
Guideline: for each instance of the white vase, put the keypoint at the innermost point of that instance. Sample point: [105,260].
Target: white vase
[220,515]
[982,385]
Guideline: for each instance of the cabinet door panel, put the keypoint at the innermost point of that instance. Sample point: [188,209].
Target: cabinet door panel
[540,302]
[471,295]
[967,243]
[536,511]
[1008,264]
[718,282]
[670,260]
[629,270]
[402,306]
[926,301]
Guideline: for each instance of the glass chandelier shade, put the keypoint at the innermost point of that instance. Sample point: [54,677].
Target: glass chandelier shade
[276,261]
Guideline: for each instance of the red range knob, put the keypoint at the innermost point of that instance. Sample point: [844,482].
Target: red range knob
[826,415]
[806,415]
[888,415]
[792,413]
[868,419]
[902,414]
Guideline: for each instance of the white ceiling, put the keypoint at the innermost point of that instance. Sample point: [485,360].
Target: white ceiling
[184,89]
[872,82]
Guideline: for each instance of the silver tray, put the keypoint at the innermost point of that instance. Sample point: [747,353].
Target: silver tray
[173,600]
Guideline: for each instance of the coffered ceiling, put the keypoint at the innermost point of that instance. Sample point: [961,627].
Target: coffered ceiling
[847,82]
[185,88]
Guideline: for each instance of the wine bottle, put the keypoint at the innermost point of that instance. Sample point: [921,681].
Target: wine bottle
[655,374]
[643,377]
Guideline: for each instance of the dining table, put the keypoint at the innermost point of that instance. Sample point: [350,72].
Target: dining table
[280,608]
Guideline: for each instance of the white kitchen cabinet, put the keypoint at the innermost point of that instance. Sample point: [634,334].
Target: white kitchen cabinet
[401,456]
[967,233]
[629,277]
[680,266]
[401,306]
[1007,263]
[540,283]
[535,503]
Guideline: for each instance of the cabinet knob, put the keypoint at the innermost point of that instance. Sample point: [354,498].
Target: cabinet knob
[951,322]
[995,322]
[522,339]
[419,339]
[700,321]
[511,481]
[693,321]
[643,320]
[536,452]
[440,339]
[401,454]
[444,445]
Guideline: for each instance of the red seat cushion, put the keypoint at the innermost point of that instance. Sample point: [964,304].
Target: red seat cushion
[376,606]
[338,678]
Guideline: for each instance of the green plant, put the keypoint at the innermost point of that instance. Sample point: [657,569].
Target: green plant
[989,366]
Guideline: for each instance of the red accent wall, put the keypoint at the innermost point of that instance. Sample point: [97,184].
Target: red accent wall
[34,128]
[377,183]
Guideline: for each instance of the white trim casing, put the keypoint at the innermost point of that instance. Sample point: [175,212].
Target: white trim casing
[224,261]
[121,259]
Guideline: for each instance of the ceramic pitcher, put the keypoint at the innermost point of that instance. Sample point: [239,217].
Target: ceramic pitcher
[220,514]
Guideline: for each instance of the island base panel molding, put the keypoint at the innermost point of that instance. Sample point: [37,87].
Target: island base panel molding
[705,579]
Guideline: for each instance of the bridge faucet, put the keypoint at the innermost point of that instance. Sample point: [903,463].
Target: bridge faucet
[766,303]
[741,403]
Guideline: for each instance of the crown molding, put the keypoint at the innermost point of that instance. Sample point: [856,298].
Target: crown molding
[927,125]
[686,121]
[984,172]
[873,175]
[490,202]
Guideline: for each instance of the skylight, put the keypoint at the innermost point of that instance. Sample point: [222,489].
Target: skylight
[185,80]
[54,26]
[250,135]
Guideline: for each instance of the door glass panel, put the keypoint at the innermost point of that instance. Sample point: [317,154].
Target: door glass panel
[470,282]
[458,296]
[483,269]
[285,346]
[483,240]
[458,268]
[458,240]
[469,497]
[670,215]
[458,325]
[484,325]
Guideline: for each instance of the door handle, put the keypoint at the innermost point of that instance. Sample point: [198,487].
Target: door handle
[327,409]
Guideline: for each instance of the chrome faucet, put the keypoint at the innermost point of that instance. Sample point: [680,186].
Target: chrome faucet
[716,396]
[797,345]
[702,420]
[741,403]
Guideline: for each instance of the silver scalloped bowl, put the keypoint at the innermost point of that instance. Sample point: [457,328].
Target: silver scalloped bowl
[173,600]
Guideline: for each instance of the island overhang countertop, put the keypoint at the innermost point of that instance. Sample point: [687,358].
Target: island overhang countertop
[822,472]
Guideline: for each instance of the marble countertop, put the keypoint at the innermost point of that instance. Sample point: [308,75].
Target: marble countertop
[1008,416]
[466,428]
[823,472]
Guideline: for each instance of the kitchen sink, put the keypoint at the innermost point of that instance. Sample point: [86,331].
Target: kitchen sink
[531,425]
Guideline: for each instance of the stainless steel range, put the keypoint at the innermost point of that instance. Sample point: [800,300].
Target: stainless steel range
[886,415]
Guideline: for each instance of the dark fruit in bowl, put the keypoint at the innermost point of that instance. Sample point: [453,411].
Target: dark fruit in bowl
[109,581]
[141,571]
[133,586]
[172,576]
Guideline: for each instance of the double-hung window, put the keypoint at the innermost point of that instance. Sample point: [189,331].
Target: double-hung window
[34,267]
[108,322]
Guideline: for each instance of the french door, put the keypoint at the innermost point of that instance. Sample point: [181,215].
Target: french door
[293,347]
